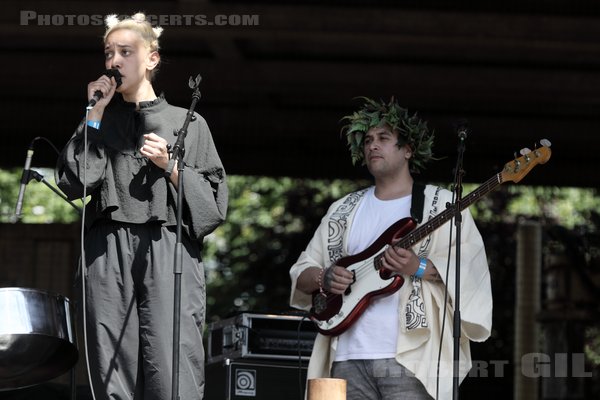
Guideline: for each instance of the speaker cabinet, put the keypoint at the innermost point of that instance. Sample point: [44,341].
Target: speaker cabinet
[255,380]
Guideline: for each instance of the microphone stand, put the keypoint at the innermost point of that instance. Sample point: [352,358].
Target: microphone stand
[177,154]
[459,172]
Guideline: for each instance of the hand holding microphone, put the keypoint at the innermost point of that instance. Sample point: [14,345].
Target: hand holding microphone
[102,90]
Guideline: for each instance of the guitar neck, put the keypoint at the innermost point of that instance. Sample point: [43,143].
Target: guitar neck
[424,230]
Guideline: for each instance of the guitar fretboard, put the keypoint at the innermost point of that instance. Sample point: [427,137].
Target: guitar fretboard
[424,230]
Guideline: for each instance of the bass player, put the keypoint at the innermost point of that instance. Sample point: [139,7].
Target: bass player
[391,349]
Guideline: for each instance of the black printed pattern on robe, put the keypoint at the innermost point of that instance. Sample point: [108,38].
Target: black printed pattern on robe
[415,308]
[338,222]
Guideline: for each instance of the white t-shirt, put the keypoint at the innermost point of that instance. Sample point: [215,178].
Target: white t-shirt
[374,334]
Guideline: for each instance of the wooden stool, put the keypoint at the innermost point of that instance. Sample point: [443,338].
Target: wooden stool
[326,389]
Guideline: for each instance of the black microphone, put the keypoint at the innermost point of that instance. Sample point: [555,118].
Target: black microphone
[98,94]
[24,180]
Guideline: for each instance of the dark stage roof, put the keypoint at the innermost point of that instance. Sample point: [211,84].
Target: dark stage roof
[278,76]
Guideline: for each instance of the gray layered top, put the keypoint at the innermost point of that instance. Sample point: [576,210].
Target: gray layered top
[127,187]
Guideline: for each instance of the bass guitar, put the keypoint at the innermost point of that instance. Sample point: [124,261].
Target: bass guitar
[335,313]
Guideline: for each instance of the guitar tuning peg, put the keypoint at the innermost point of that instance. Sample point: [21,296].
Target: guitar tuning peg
[524,151]
[545,143]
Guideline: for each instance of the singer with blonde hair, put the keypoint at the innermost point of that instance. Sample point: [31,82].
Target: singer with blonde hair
[118,155]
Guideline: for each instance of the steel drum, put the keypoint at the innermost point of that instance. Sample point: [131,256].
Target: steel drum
[36,339]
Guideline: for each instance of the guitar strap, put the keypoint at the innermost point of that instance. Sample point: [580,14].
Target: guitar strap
[417,202]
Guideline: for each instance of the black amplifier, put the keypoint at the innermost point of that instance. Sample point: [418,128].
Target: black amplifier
[255,380]
[261,336]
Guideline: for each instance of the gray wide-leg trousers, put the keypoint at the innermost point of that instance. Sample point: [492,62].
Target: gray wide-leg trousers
[129,312]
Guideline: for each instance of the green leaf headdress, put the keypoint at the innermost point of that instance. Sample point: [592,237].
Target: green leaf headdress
[412,130]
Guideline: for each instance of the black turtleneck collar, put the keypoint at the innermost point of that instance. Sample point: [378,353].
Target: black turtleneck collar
[118,101]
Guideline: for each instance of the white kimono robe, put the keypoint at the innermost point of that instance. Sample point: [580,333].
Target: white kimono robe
[419,333]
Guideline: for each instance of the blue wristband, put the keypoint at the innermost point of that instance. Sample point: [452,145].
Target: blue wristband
[422,265]
[94,124]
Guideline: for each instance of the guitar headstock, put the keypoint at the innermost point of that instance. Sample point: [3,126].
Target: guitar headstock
[517,169]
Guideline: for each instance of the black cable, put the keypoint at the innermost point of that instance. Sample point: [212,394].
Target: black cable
[300,380]
[82,244]
[47,141]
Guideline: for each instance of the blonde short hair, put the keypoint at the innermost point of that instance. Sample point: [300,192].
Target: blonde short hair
[137,23]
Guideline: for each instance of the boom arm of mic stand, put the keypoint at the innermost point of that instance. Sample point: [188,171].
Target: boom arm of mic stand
[40,178]
[32,174]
